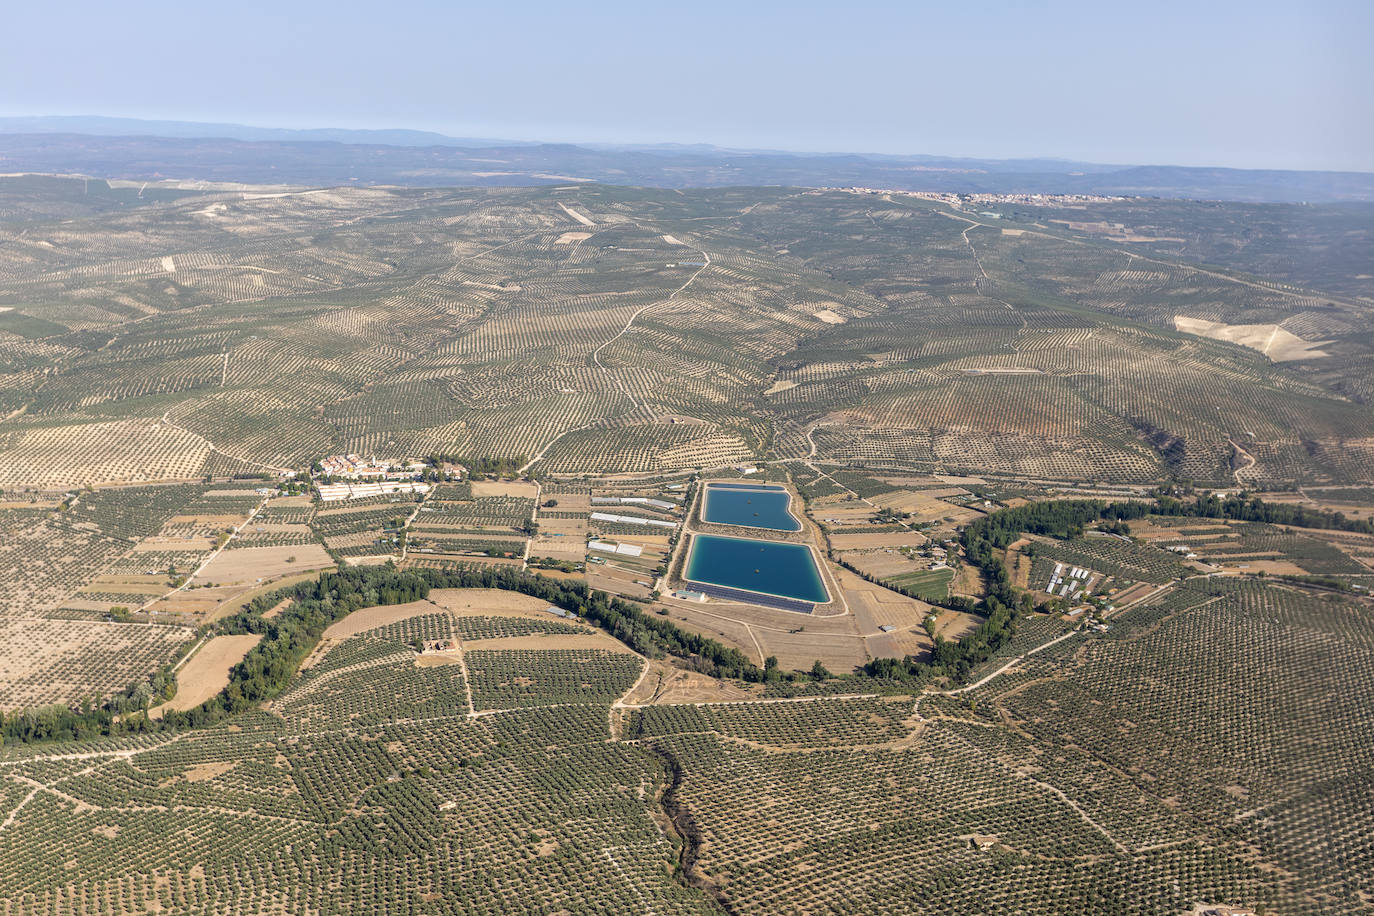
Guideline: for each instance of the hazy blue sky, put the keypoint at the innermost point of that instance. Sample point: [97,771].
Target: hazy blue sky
[1255,84]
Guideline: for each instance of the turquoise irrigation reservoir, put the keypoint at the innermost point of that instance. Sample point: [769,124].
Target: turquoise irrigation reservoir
[757,506]
[768,567]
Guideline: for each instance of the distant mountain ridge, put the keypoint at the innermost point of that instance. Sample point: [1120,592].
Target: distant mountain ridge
[96,125]
[152,150]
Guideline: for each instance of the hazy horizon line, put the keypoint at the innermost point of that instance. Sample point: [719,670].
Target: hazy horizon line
[464,137]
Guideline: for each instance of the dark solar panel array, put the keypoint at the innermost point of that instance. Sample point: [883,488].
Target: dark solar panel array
[773,601]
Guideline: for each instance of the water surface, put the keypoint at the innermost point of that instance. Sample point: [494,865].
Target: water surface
[749,506]
[769,567]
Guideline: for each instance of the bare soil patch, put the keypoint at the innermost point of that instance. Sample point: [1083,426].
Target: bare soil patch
[667,685]
[1276,567]
[877,540]
[592,639]
[882,564]
[967,582]
[1270,339]
[369,618]
[203,771]
[568,238]
[504,488]
[254,564]
[799,651]
[620,581]
[484,602]
[572,548]
[576,215]
[200,603]
[438,660]
[954,624]
[207,672]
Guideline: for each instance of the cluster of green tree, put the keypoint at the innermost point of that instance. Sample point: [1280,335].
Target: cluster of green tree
[124,712]
[1243,507]
[480,466]
[290,636]
[566,566]
[1330,582]
[985,541]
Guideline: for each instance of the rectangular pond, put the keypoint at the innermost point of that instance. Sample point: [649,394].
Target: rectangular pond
[787,571]
[749,506]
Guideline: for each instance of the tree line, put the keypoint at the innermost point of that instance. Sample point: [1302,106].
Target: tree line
[985,541]
[289,637]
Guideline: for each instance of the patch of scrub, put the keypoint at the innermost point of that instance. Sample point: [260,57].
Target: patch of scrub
[1273,341]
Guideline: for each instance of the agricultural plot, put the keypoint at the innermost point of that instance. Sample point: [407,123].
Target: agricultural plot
[1195,649]
[65,568]
[66,661]
[206,673]
[563,526]
[1114,791]
[365,527]
[902,568]
[282,521]
[1256,546]
[1109,556]
[930,584]
[455,522]
[259,564]
[627,564]
[482,811]
[525,677]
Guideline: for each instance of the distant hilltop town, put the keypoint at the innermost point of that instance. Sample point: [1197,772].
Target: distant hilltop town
[981,200]
[352,467]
